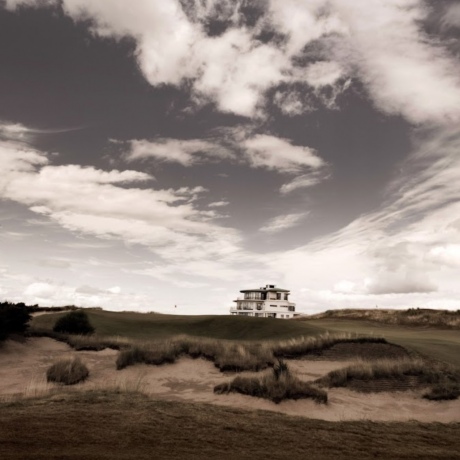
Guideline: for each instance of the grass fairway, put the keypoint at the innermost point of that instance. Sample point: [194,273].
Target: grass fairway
[439,344]
[97,425]
[146,326]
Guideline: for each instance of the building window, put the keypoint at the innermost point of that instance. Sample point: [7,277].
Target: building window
[274,306]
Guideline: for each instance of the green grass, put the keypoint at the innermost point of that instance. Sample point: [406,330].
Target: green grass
[147,326]
[107,426]
[438,344]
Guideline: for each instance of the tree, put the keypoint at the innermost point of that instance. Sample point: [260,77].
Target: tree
[74,322]
[13,319]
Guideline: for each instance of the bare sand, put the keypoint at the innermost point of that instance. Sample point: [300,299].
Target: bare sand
[23,367]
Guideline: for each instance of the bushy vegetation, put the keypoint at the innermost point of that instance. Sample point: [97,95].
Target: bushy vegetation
[74,322]
[445,391]
[67,372]
[443,379]
[278,385]
[230,356]
[13,319]
[302,346]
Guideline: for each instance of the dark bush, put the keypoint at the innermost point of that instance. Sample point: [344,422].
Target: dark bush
[74,322]
[13,319]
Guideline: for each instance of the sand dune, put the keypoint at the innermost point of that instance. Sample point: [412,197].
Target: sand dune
[23,367]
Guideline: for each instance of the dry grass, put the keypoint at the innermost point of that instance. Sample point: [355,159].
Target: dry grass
[233,356]
[276,386]
[445,391]
[67,372]
[442,377]
[412,317]
[84,342]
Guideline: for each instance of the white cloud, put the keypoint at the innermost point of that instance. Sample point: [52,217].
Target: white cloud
[164,220]
[265,151]
[184,152]
[283,222]
[304,181]
[323,73]
[218,204]
[380,42]
[40,290]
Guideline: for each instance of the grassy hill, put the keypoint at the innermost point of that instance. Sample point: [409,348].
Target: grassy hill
[147,326]
[430,340]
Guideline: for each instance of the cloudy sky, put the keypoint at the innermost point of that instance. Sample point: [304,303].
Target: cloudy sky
[172,152]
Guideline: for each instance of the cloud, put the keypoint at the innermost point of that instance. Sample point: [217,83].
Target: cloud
[184,152]
[451,17]
[304,181]
[269,152]
[108,206]
[218,204]
[381,43]
[283,222]
[40,290]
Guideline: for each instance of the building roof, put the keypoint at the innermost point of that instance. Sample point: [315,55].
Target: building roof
[266,289]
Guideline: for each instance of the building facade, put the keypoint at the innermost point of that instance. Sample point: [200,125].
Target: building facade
[265,302]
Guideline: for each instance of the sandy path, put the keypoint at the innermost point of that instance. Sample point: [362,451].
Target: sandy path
[23,367]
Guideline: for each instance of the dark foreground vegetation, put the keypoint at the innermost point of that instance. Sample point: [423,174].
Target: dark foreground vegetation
[14,319]
[108,426]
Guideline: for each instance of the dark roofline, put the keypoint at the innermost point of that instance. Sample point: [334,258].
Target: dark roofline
[265,290]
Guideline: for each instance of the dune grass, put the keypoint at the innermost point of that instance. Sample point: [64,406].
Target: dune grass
[230,355]
[278,385]
[443,379]
[67,372]
[108,426]
[425,317]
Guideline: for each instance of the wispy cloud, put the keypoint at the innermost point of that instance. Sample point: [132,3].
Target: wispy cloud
[283,222]
[184,152]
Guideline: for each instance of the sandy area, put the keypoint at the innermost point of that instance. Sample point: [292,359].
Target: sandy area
[23,367]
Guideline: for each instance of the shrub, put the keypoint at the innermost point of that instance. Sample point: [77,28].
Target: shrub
[67,372]
[74,322]
[443,392]
[276,386]
[13,319]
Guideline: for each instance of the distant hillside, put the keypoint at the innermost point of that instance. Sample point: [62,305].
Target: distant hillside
[151,325]
[411,317]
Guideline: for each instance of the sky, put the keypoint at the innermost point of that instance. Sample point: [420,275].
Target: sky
[162,155]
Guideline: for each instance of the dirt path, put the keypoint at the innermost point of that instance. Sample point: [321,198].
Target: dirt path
[23,367]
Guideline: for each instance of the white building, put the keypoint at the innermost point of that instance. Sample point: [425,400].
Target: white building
[265,302]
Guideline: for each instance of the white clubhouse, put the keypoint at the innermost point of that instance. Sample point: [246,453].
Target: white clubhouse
[265,302]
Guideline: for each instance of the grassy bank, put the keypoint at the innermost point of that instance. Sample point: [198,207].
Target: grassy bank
[128,426]
[435,343]
[148,326]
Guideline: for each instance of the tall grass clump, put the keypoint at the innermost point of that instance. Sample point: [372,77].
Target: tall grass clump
[67,372]
[278,385]
[150,353]
[74,322]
